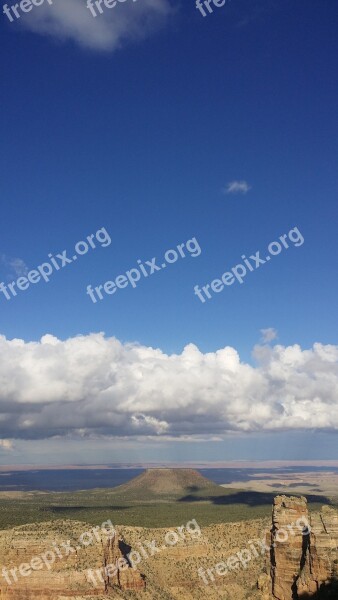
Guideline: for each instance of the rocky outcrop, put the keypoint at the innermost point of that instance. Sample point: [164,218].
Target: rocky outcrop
[172,573]
[303,551]
[116,553]
[67,575]
[321,565]
[288,544]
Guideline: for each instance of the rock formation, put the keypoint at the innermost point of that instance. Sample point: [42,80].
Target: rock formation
[126,578]
[171,574]
[303,551]
[66,577]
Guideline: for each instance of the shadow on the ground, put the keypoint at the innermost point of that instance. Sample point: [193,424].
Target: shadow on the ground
[249,498]
[327,591]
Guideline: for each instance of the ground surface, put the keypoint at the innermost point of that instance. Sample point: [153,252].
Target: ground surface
[311,483]
[158,499]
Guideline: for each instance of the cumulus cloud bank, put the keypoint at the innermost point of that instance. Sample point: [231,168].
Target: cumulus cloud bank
[97,386]
[71,20]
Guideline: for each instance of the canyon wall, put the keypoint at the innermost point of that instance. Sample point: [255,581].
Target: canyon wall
[303,561]
[67,577]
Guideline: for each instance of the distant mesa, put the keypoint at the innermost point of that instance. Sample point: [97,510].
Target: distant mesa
[167,483]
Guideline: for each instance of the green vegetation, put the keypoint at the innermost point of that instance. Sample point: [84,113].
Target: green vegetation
[156,498]
[94,509]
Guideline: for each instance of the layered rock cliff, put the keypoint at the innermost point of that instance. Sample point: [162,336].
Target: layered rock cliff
[303,560]
[67,575]
[171,574]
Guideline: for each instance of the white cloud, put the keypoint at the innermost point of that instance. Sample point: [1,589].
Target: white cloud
[6,444]
[72,20]
[268,335]
[237,187]
[96,386]
[139,421]
[15,266]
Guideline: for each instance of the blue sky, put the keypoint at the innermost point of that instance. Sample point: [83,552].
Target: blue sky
[142,139]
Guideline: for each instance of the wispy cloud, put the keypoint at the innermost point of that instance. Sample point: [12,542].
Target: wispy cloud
[14,266]
[268,335]
[71,20]
[237,187]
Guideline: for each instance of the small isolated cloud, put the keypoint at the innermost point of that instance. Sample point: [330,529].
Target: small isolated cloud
[14,266]
[6,444]
[268,335]
[237,187]
[71,20]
